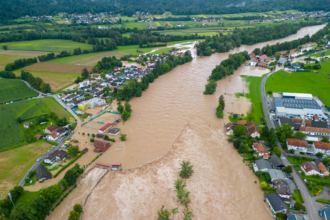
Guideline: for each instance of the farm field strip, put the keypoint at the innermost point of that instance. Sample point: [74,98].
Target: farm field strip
[58,68]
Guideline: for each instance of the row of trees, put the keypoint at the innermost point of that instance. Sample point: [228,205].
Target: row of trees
[182,194]
[248,36]
[221,107]
[273,49]
[35,82]
[107,63]
[40,207]
[20,63]
[135,88]
[125,111]
[225,68]
[76,212]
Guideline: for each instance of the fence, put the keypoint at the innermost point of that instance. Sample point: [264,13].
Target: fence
[117,113]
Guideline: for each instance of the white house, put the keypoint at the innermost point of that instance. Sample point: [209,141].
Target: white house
[321,147]
[310,169]
[297,145]
[84,83]
[283,190]
[229,129]
[57,155]
[56,134]
[324,132]
[253,129]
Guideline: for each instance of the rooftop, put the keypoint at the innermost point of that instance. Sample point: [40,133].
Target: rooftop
[276,202]
[322,145]
[297,142]
[315,130]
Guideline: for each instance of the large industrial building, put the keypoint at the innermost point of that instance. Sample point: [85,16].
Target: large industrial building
[298,105]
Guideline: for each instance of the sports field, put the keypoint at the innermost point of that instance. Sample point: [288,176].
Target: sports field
[47,45]
[89,59]
[16,162]
[11,133]
[317,84]
[56,80]
[58,68]
[14,89]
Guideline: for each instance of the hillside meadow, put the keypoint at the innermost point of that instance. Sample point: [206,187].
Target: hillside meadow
[16,162]
[11,132]
[14,89]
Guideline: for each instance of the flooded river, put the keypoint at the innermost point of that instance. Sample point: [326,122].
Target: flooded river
[171,122]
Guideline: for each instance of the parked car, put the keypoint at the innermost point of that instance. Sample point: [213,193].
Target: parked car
[321,213]
[304,217]
[39,159]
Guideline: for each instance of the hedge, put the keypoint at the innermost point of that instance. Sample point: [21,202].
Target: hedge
[323,201]
[68,164]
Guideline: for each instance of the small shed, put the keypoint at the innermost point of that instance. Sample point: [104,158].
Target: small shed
[116,166]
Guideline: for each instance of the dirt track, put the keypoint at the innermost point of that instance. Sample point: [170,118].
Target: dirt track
[58,68]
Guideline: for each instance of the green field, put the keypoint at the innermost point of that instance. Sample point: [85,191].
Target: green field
[11,132]
[27,198]
[47,45]
[57,81]
[302,82]
[299,160]
[89,59]
[327,53]
[14,89]
[254,85]
[133,25]
[16,162]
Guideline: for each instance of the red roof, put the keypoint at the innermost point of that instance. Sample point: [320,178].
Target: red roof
[115,164]
[262,64]
[104,127]
[316,117]
[263,57]
[297,142]
[103,164]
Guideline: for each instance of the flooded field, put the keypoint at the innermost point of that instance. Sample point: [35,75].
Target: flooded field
[171,122]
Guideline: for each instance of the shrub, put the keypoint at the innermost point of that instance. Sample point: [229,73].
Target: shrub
[186,169]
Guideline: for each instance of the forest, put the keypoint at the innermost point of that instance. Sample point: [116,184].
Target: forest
[248,36]
[18,8]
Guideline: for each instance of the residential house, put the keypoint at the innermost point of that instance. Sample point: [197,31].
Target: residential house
[262,58]
[310,168]
[57,155]
[26,124]
[321,147]
[50,129]
[297,145]
[261,165]
[229,129]
[262,64]
[323,132]
[283,190]
[101,146]
[323,170]
[253,62]
[260,150]
[42,174]
[276,162]
[253,129]
[38,136]
[59,132]
[84,84]
[277,175]
[282,61]
[276,203]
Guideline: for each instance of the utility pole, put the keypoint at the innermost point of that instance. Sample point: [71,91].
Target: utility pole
[11,199]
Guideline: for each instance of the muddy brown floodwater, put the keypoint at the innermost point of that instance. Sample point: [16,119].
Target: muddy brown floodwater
[171,122]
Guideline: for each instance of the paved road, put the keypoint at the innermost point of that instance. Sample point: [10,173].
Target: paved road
[22,182]
[311,205]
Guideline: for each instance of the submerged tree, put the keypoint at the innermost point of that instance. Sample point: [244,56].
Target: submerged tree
[186,169]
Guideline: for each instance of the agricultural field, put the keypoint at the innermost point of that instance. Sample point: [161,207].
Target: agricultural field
[9,56]
[47,45]
[11,133]
[133,25]
[14,89]
[89,59]
[58,68]
[57,81]
[16,162]
[317,84]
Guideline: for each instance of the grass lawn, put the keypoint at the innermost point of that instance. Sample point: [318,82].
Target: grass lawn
[57,81]
[54,106]
[327,53]
[134,25]
[89,59]
[5,58]
[132,49]
[299,160]
[16,162]
[160,51]
[317,84]
[254,95]
[297,196]
[48,45]
[27,198]
[14,89]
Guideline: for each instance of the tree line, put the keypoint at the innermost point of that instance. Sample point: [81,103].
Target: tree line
[248,36]
[135,88]
[225,68]
[18,8]
[35,82]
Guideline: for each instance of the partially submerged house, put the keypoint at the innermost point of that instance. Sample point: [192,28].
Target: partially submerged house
[101,146]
